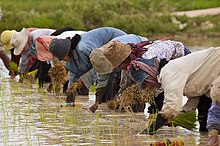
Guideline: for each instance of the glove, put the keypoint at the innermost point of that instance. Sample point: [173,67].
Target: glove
[213,138]
[160,121]
[70,96]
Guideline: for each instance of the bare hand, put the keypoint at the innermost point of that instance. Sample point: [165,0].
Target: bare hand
[213,140]
[94,107]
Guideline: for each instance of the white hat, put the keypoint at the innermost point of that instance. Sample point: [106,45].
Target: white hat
[18,40]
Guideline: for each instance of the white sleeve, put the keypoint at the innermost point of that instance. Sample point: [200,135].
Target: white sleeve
[173,84]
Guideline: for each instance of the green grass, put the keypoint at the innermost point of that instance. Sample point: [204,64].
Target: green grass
[132,16]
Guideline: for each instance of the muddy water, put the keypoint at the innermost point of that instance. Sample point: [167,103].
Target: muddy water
[33,117]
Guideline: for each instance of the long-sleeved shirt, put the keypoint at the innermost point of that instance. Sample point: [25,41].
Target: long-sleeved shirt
[43,42]
[163,49]
[191,75]
[80,63]
[130,38]
[31,53]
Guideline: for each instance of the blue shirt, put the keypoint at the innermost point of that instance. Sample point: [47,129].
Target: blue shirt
[80,62]
[130,38]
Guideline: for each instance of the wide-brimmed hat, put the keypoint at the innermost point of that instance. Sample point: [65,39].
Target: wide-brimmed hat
[100,63]
[6,38]
[60,48]
[109,56]
[19,40]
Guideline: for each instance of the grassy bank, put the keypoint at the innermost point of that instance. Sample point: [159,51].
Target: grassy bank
[133,16]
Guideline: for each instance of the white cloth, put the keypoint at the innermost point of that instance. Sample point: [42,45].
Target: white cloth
[164,49]
[41,32]
[70,34]
[191,75]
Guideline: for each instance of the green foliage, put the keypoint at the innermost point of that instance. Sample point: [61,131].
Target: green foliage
[92,88]
[13,66]
[186,120]
[143,17]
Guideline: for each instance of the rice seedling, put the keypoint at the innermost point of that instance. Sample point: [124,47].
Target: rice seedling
[13,68]
[57,74]
[131,97]
[186,120]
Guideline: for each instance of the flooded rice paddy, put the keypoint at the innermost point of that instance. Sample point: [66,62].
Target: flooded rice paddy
[34,117]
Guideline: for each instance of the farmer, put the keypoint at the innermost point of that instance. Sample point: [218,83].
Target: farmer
[76,52]
[4,57]
[191,76]
[88,43]
[24,44]
[145,71]
[164,49]
[213,123]
[5,40]
[44,56]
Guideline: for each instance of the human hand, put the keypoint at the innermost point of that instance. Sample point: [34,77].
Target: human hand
[70,96]
[155,125]
[213,138]
[94,107]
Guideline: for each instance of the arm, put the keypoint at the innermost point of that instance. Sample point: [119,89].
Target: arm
[71,95]
[100,91]
[173,84]
[23,66]
[5,59]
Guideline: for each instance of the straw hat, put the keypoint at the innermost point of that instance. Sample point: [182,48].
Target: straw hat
[109,56]
[19,40]
[6,38]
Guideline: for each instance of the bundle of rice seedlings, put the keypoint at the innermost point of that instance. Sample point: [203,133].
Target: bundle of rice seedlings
[186,120]
[30,76]
[133,95]
[13,67]
[57,74]
[73,87]
[114,103]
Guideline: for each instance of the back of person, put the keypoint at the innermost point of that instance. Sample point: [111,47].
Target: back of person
[97,38]
[90,41]
[165,49]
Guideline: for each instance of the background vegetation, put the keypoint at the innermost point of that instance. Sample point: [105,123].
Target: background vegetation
[143,17]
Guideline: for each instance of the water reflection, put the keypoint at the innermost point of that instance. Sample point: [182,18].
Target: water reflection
[33,117]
